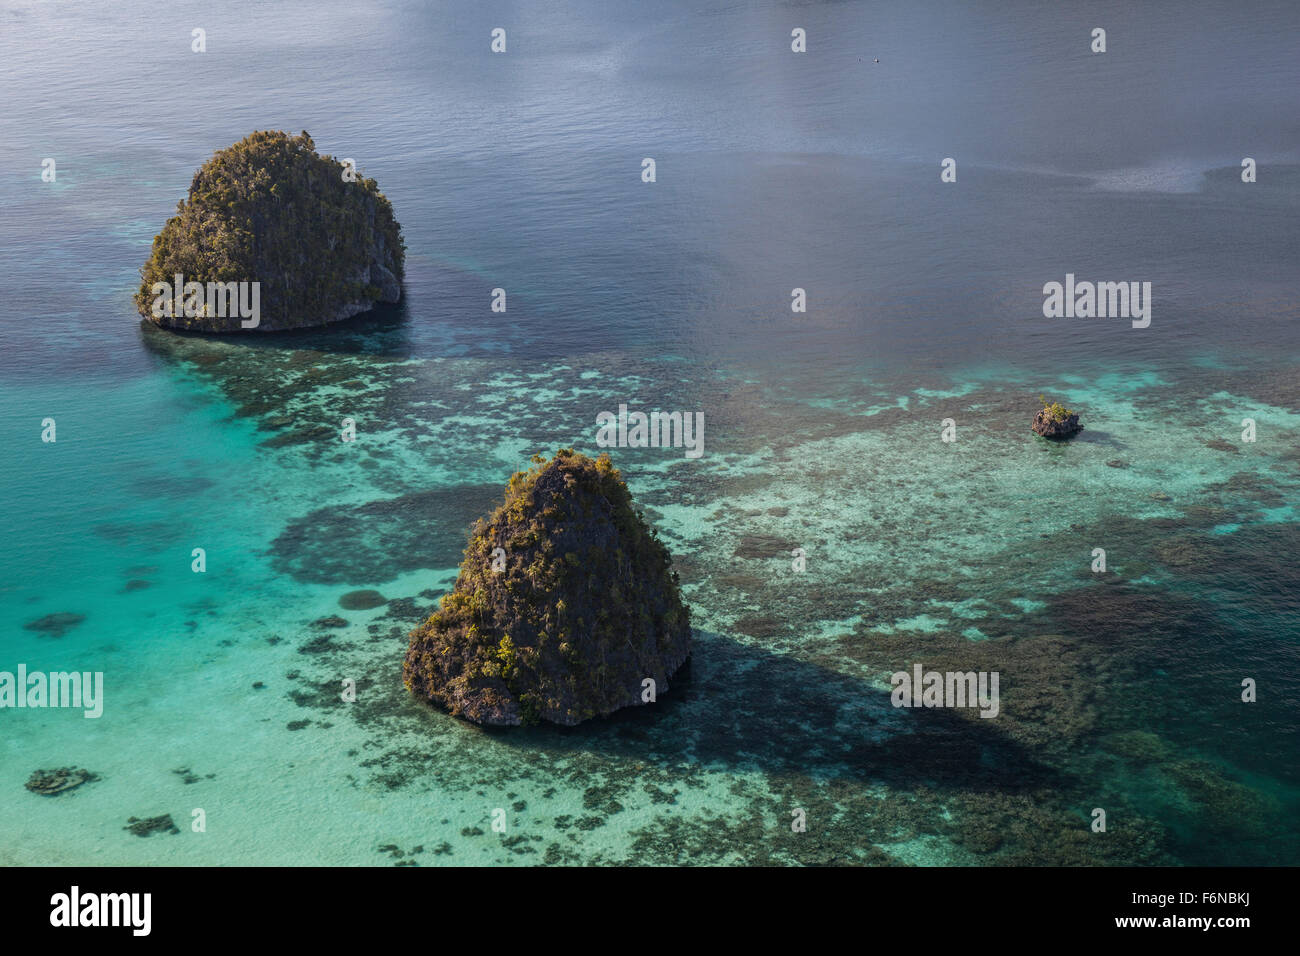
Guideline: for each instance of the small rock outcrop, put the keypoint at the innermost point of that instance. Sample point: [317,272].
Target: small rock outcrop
[148,826]
[50,783]
[319,239]
[565,604]
[1057,422]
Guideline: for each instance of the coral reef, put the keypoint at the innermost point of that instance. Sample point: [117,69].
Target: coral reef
[361,600]
[49,783]
[55,625]
[148,826]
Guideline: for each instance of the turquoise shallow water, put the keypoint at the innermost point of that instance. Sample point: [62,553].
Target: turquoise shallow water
[917,549]
[1120,690]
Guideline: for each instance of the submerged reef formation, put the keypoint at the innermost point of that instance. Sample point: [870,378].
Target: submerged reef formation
[1056,421]
[362,600]
[148,826]
[49,783]
[565,604]
[319,241]
[55,625]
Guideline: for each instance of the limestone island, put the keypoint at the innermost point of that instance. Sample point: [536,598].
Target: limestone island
[1055,421]
[273,236]
[565,608]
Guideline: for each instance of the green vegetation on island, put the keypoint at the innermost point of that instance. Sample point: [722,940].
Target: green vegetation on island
[319,239]
[1055,421]
[1055,410]
[565,605]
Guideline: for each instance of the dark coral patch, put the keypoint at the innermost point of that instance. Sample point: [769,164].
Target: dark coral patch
[54,625]
[49,783]
[381,539]
[148,826]
[361,600]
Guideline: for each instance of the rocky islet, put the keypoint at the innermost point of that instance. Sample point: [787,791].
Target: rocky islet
[273,230]
[566,606]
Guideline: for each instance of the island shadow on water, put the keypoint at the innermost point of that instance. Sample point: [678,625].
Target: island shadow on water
[384,330]
[739,706]
[869,775]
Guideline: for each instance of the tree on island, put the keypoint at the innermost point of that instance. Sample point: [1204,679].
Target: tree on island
[320,239]
[566,606]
